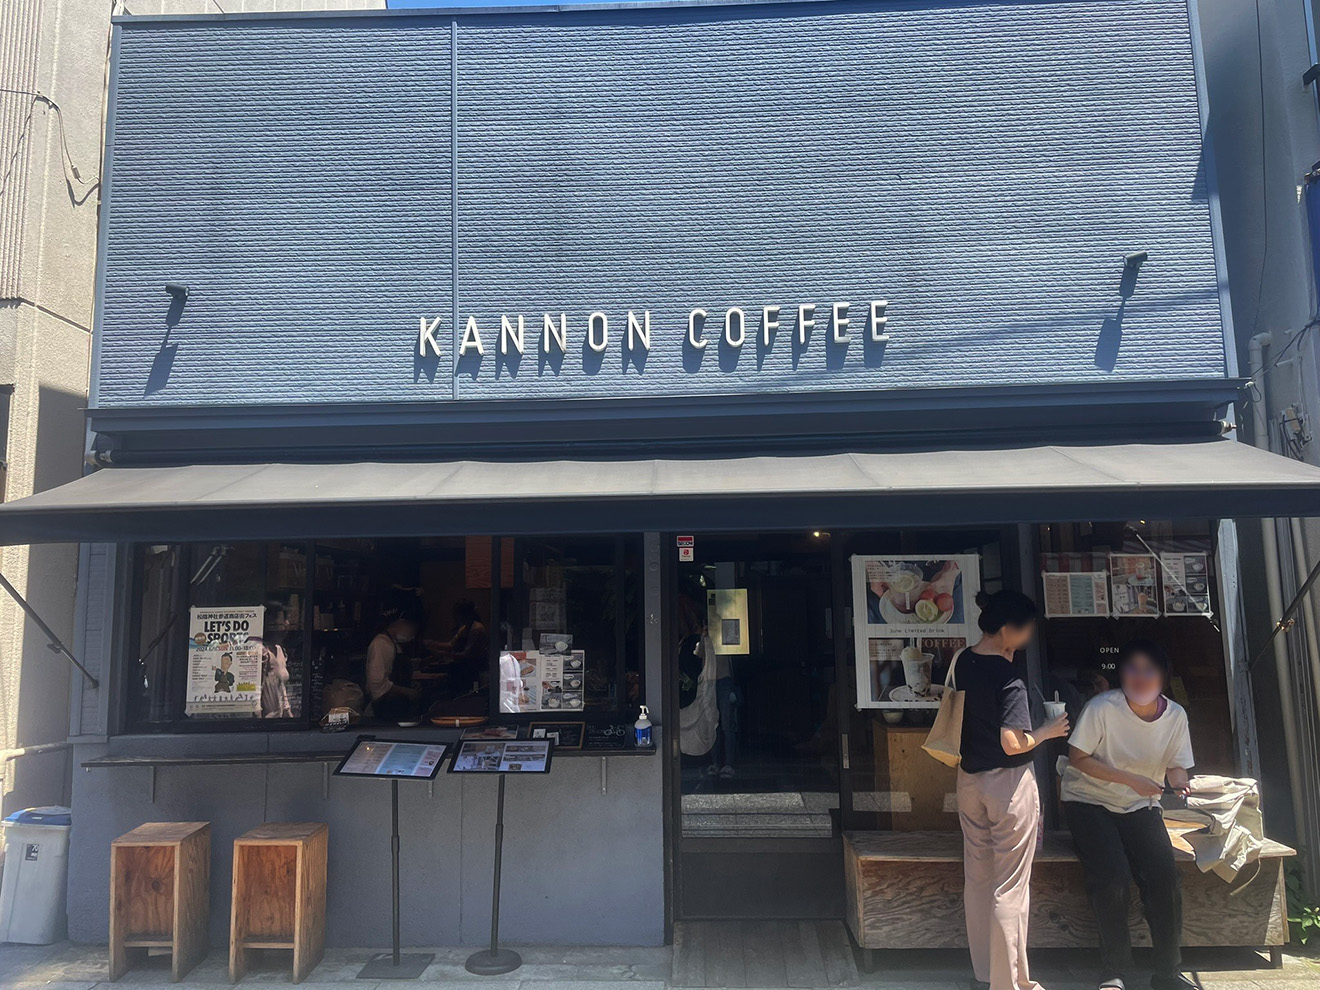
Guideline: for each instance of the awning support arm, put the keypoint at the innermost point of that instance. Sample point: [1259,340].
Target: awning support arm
[55,643]
[1286,622]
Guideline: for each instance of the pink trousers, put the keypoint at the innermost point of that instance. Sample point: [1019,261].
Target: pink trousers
[999,810]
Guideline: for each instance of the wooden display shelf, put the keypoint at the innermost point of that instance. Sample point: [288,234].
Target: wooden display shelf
[160,894]
[279,894]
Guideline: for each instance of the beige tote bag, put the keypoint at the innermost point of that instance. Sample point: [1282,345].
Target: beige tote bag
[945,739]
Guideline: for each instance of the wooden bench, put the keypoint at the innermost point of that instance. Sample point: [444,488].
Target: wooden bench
[904,890]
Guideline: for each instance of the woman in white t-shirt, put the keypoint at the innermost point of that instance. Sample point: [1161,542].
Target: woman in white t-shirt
[1126,745]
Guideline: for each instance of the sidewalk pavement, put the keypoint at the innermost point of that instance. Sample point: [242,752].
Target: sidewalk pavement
[66,966]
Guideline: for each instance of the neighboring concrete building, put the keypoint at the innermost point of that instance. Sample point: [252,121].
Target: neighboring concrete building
[53,68]
[52,81]
[1266,142]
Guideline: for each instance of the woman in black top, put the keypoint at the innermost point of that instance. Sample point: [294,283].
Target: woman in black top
[998,804]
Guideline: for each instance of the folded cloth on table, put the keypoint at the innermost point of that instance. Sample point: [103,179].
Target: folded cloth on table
[1231,832]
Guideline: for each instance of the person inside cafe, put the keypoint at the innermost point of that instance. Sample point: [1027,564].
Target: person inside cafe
[998,804]
[387,664]
[275,664]
[1128,742]
[468,651]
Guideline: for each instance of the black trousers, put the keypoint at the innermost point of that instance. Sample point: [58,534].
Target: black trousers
[1116,849]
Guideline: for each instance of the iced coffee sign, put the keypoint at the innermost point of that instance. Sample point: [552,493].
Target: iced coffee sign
[911,616]
[224,660]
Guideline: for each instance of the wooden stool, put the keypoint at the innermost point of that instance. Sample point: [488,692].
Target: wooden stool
[279,894]
[160,893]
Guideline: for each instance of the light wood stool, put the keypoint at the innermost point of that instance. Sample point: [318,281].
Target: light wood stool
[279,894]
[160,894]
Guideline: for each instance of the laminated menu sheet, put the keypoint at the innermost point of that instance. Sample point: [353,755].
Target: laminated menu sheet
[1085,593]
[551,679]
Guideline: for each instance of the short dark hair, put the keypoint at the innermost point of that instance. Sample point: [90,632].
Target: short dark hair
[466,608]
[1004,608]
[1152,651]
[403,609]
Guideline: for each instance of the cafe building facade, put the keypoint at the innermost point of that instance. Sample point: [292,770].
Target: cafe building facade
[719,352]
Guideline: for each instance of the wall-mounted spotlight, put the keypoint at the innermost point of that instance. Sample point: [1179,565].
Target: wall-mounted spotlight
[178,292]
[1131,266]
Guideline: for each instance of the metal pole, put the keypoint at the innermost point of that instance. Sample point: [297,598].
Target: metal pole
[1286,622]
[394,965]
[50,633]
[499,854]
[495,961]
[394,860]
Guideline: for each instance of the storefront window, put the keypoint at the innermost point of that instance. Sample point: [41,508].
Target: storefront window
[384,631]
[219,633]
[1103,584]
[572,623]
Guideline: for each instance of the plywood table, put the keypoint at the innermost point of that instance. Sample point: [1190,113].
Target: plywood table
[279,894]
[160,894]
[904,891]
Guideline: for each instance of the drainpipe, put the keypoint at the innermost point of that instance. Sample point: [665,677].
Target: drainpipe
[1270,540]
[1308,604]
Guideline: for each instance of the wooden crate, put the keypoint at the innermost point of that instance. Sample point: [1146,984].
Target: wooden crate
[279,894]
[160,894]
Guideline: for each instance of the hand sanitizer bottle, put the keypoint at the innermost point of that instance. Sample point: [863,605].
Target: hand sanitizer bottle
[642,730]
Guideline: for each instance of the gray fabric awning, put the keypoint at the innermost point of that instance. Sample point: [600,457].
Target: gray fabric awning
[1214,478]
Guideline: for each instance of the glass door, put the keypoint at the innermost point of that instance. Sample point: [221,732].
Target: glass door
[757,780]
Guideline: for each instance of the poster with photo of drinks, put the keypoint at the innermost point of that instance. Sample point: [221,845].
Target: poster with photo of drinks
[1134,585]
[911,615]
[909,673]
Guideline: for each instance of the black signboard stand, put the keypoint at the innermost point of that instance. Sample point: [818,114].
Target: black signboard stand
[495,961]
[394,965]
[521,756]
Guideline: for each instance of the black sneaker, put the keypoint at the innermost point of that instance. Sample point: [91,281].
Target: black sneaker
[1175,982]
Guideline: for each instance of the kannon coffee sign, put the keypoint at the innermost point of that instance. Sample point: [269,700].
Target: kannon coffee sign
[911,616]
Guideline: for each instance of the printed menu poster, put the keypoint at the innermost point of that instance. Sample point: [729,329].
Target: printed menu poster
[547,680]
[1133,587]
[224,660]
[1186,581]
[911,615]
[484,756]
[381,758]
[1085,593]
